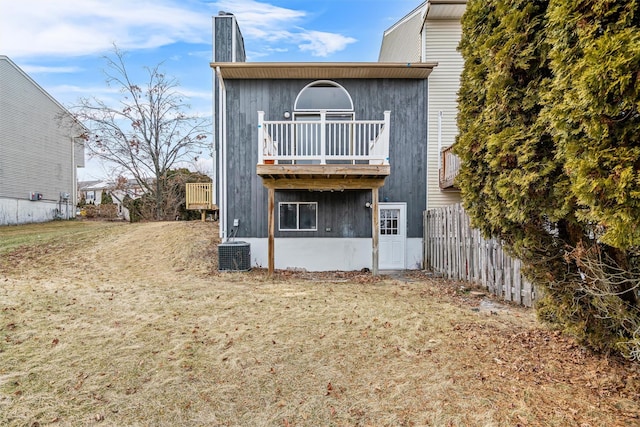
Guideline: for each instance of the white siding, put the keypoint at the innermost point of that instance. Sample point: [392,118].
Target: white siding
[441,42]
[401,43]
[36,152]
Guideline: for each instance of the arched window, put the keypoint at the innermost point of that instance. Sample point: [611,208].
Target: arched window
[323,95]
[320,100]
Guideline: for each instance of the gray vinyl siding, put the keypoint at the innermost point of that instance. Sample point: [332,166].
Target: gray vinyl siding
[36,152]
[441,41]
[247,197]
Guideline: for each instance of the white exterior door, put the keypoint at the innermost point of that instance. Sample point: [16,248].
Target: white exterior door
[392,241]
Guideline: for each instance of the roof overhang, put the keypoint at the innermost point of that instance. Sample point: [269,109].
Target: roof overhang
[323,70]
[445,9]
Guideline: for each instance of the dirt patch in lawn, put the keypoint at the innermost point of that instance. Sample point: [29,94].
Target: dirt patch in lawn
[131,324]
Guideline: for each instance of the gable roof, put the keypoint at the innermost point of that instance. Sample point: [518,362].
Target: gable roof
[44,92]
[323,70]
[33,82]
[408,17]
[445,9]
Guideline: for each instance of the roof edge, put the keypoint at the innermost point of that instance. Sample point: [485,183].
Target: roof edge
[303,70]
[406,18]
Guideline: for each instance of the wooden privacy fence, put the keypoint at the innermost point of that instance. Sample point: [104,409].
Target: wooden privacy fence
[458,252]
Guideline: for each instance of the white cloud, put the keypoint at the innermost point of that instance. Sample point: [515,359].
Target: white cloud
[30,28]
[69,28]
[33,69]
[323,44]
[261,20]
[262,24]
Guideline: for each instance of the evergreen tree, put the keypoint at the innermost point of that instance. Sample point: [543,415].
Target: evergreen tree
[594,111]
[105,198]
[547,167]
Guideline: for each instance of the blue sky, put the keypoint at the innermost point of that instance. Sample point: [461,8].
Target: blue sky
[61,44]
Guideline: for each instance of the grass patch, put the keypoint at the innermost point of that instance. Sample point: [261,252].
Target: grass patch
[138,329]
[15,236]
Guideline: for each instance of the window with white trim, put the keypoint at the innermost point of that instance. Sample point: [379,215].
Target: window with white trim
[389,221]
[298,216]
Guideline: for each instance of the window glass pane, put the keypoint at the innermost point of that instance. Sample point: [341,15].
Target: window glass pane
[389,221]
[288,216]
[307,216]
[323,98]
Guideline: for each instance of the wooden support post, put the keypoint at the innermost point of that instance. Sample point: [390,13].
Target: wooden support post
[375,230]
[272,229]
[203,214]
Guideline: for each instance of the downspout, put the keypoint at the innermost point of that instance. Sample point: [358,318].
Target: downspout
[214,150]
[429,144]
[439,142]
[74,182]
[222,138]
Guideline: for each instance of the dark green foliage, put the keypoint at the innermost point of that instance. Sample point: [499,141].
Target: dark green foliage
[136,207]
[551,158]
[105,198]
[594,111]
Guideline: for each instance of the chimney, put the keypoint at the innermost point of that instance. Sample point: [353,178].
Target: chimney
[228,44]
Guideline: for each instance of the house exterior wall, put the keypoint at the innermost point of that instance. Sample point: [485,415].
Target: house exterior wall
[37,154]
[401,42]
[441,41]
[247,200]
[438,41]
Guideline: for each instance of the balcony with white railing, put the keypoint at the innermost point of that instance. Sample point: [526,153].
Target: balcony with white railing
[327,147]
[449,169]
[324,141]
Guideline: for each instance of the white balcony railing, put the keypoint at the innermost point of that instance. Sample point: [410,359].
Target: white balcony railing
[323,141]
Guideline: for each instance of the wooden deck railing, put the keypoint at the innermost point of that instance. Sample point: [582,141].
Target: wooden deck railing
[324,141]
[199,196]
[450,166]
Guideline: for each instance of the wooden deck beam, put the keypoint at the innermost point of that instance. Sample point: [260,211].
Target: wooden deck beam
[322,184]
[323,170]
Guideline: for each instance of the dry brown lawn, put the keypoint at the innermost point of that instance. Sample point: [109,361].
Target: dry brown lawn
[131,325]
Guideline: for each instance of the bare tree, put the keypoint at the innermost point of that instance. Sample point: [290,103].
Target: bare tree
[147,132]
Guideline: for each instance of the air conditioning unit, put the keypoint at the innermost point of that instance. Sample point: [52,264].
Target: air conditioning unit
[234,256]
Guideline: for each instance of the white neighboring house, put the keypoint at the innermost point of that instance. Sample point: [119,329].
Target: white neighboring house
[39,151]
[431,33]
[91,191]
